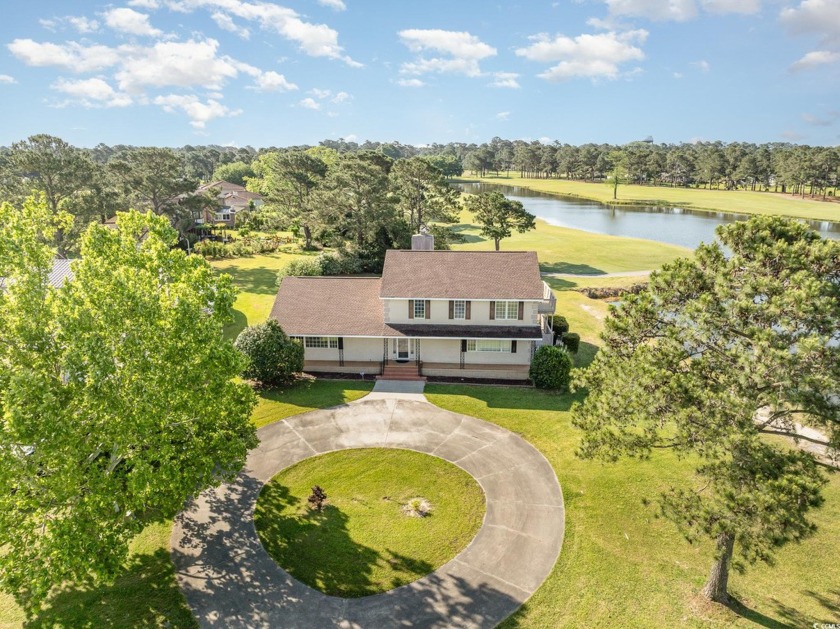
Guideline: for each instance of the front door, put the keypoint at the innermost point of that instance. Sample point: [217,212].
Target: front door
[403,349]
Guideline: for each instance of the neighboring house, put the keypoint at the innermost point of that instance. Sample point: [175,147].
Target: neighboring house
[232,198]
[60,273]
[462,314]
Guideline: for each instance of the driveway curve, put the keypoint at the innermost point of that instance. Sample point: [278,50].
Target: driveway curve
[230,580]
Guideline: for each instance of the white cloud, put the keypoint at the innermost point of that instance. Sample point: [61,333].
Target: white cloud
[503,115]
[677,75]
[825,121]
[225,22]
[674,10]
[792,136]
[410,83]
[744,7]
[702,65]
[819,17]
[319,93]
[5,79]
[316,40]
[144,4]
[71,56]
[198,112]
[815,59]
[505,79]
[177,64]
[310,103]
[338,5]
[273,82]
[130,21]
[79,23]
[590,56]
[463,49]
[455,43]
[94,92]
[341,97]
[657,10]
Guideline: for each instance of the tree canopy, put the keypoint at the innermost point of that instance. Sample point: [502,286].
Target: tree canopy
[499,216]
[423,193]
[723,348]
[118,398]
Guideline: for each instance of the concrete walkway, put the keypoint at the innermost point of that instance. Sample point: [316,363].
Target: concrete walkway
[230,581]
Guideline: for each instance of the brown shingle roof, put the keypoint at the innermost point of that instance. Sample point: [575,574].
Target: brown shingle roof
[329,306]
[462,275]
[350,306]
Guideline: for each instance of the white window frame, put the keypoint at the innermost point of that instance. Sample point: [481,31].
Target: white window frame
[459,309]
[420,312]
[507,310]
[489,345]
[321,342]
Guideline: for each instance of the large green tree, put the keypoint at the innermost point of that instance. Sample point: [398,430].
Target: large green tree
[499,216]
[288,180]
[66,177]
[423,193]
[118,397]
[741,340]
[153,178]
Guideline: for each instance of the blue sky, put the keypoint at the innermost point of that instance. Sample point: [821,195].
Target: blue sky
[175,72]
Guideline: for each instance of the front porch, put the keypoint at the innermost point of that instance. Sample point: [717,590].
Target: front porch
[424,369]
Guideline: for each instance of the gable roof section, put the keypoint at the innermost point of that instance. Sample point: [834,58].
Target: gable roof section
[462,275]
[329,306]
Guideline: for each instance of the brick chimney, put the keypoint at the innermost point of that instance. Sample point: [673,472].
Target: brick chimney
[422,242]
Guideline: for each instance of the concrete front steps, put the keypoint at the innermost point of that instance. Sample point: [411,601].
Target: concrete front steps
[401,371]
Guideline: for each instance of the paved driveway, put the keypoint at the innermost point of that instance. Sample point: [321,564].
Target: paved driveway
[229,580]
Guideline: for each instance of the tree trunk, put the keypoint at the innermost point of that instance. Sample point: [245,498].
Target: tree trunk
[716,587]
[307,236]
[498,240]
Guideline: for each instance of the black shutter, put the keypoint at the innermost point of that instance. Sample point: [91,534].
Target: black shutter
[451,309]
[410,308]
[463,345]
[340,342]
[428,310]
[468,309]
[521,310]
[492,310]
[513,347]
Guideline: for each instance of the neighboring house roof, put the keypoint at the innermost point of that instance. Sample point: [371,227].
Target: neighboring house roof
[461,275]
[60,273]
[351,306]
[232,195]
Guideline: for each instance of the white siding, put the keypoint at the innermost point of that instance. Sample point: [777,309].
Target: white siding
[396,311]
[449,351]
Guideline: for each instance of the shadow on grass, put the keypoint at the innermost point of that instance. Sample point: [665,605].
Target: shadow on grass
[309,392]
[239,323]
[467,237]
[556,283]
[586,354]
[145,594]
[513,398]
[315,547]
[261,280]
[568,267]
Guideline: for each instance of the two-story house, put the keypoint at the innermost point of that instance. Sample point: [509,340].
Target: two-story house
[462,314]
[232,198]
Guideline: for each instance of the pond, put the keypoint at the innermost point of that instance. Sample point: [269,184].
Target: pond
[672,225]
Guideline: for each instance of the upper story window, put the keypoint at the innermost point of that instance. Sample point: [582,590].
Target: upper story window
[419,309]
[459,309]
[507,310]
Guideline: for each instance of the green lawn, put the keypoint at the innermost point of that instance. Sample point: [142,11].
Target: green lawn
[620,565]
[362,543]
[306,395]
[256,278]
[738,201]
[563,250]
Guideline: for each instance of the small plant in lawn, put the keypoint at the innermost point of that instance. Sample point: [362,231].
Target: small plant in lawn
[417,508]
[317,498]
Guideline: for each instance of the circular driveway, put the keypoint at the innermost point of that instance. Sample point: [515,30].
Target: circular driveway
[230,580]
